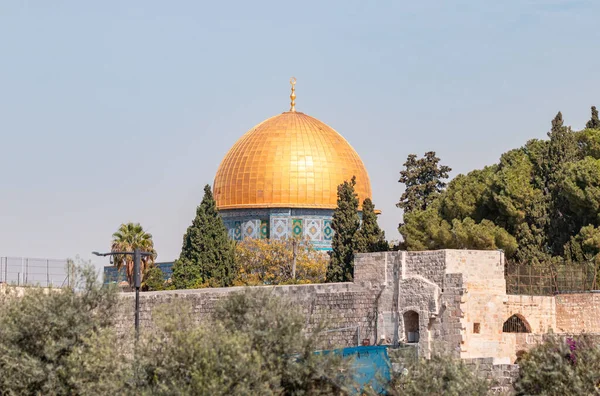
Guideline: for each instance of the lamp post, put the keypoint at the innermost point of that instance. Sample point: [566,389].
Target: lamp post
[137,280]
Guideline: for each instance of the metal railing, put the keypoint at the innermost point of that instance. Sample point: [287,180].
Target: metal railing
[26,271]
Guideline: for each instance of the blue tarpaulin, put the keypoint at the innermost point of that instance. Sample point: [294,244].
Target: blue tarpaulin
[371,364]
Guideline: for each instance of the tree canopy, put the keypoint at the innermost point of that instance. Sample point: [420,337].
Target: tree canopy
[534,203]
[560,366]
[66,343]
[269,262]
[127,238]
[54,342]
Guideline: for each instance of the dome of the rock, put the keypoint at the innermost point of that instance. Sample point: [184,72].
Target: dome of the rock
[291,160]
[280,179]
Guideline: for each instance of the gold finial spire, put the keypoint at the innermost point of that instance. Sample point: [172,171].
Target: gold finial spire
[293,95]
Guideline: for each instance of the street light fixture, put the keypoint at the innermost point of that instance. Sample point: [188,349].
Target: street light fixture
[137,280]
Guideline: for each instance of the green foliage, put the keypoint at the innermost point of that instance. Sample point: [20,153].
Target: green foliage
[61,342]
[57,342]
[370,238]
[196,360]
[531,203]
[441,375]
[594,122]
[426,230]
[585,246]
[513,191]
[423,179]
[256,345]
[345,224]
[99,366]
[207,255]
[154,279]
[561,367]
[483,236]
[589,142]
[469,195]
[131,236]
[562,148]
[580,187]
[306,373]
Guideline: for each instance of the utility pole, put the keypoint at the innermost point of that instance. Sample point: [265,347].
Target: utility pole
[137,281]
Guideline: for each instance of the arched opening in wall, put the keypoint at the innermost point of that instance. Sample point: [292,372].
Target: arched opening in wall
[411,326]
[516,324]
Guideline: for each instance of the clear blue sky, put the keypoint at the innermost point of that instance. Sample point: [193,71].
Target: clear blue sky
[116,111]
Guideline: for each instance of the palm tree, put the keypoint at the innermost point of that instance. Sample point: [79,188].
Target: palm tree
[128,237]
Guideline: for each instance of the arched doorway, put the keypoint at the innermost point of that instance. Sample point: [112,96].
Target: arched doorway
[516,324]
[411,326]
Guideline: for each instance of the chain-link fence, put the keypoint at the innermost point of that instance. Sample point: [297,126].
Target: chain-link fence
[26,271]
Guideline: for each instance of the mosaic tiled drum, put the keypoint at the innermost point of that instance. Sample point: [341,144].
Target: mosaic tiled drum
[280,179]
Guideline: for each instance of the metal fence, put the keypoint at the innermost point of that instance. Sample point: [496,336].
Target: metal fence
[547,280]
[26,271]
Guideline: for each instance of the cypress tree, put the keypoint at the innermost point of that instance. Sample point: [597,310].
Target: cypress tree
[370,238]
[345,224]
[594,123]
[207,255]
[562,150]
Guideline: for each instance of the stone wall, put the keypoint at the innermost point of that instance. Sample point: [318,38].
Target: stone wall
[455,299]
[9,291]
[386,287]
[501,376]
[539,312]
[405,283]
[337,306]
[576,313]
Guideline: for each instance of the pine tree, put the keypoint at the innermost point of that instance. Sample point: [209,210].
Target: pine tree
[370,238]
[207,255]
[594,123]
[345,224]
[424,181]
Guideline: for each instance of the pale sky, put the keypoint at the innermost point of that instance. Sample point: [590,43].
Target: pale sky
[117,111]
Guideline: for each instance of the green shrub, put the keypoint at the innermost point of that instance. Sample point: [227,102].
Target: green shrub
[561,367]
[254,346]
[440,375]
[53,342]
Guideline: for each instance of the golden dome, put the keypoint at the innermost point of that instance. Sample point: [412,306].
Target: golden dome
[291,160]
